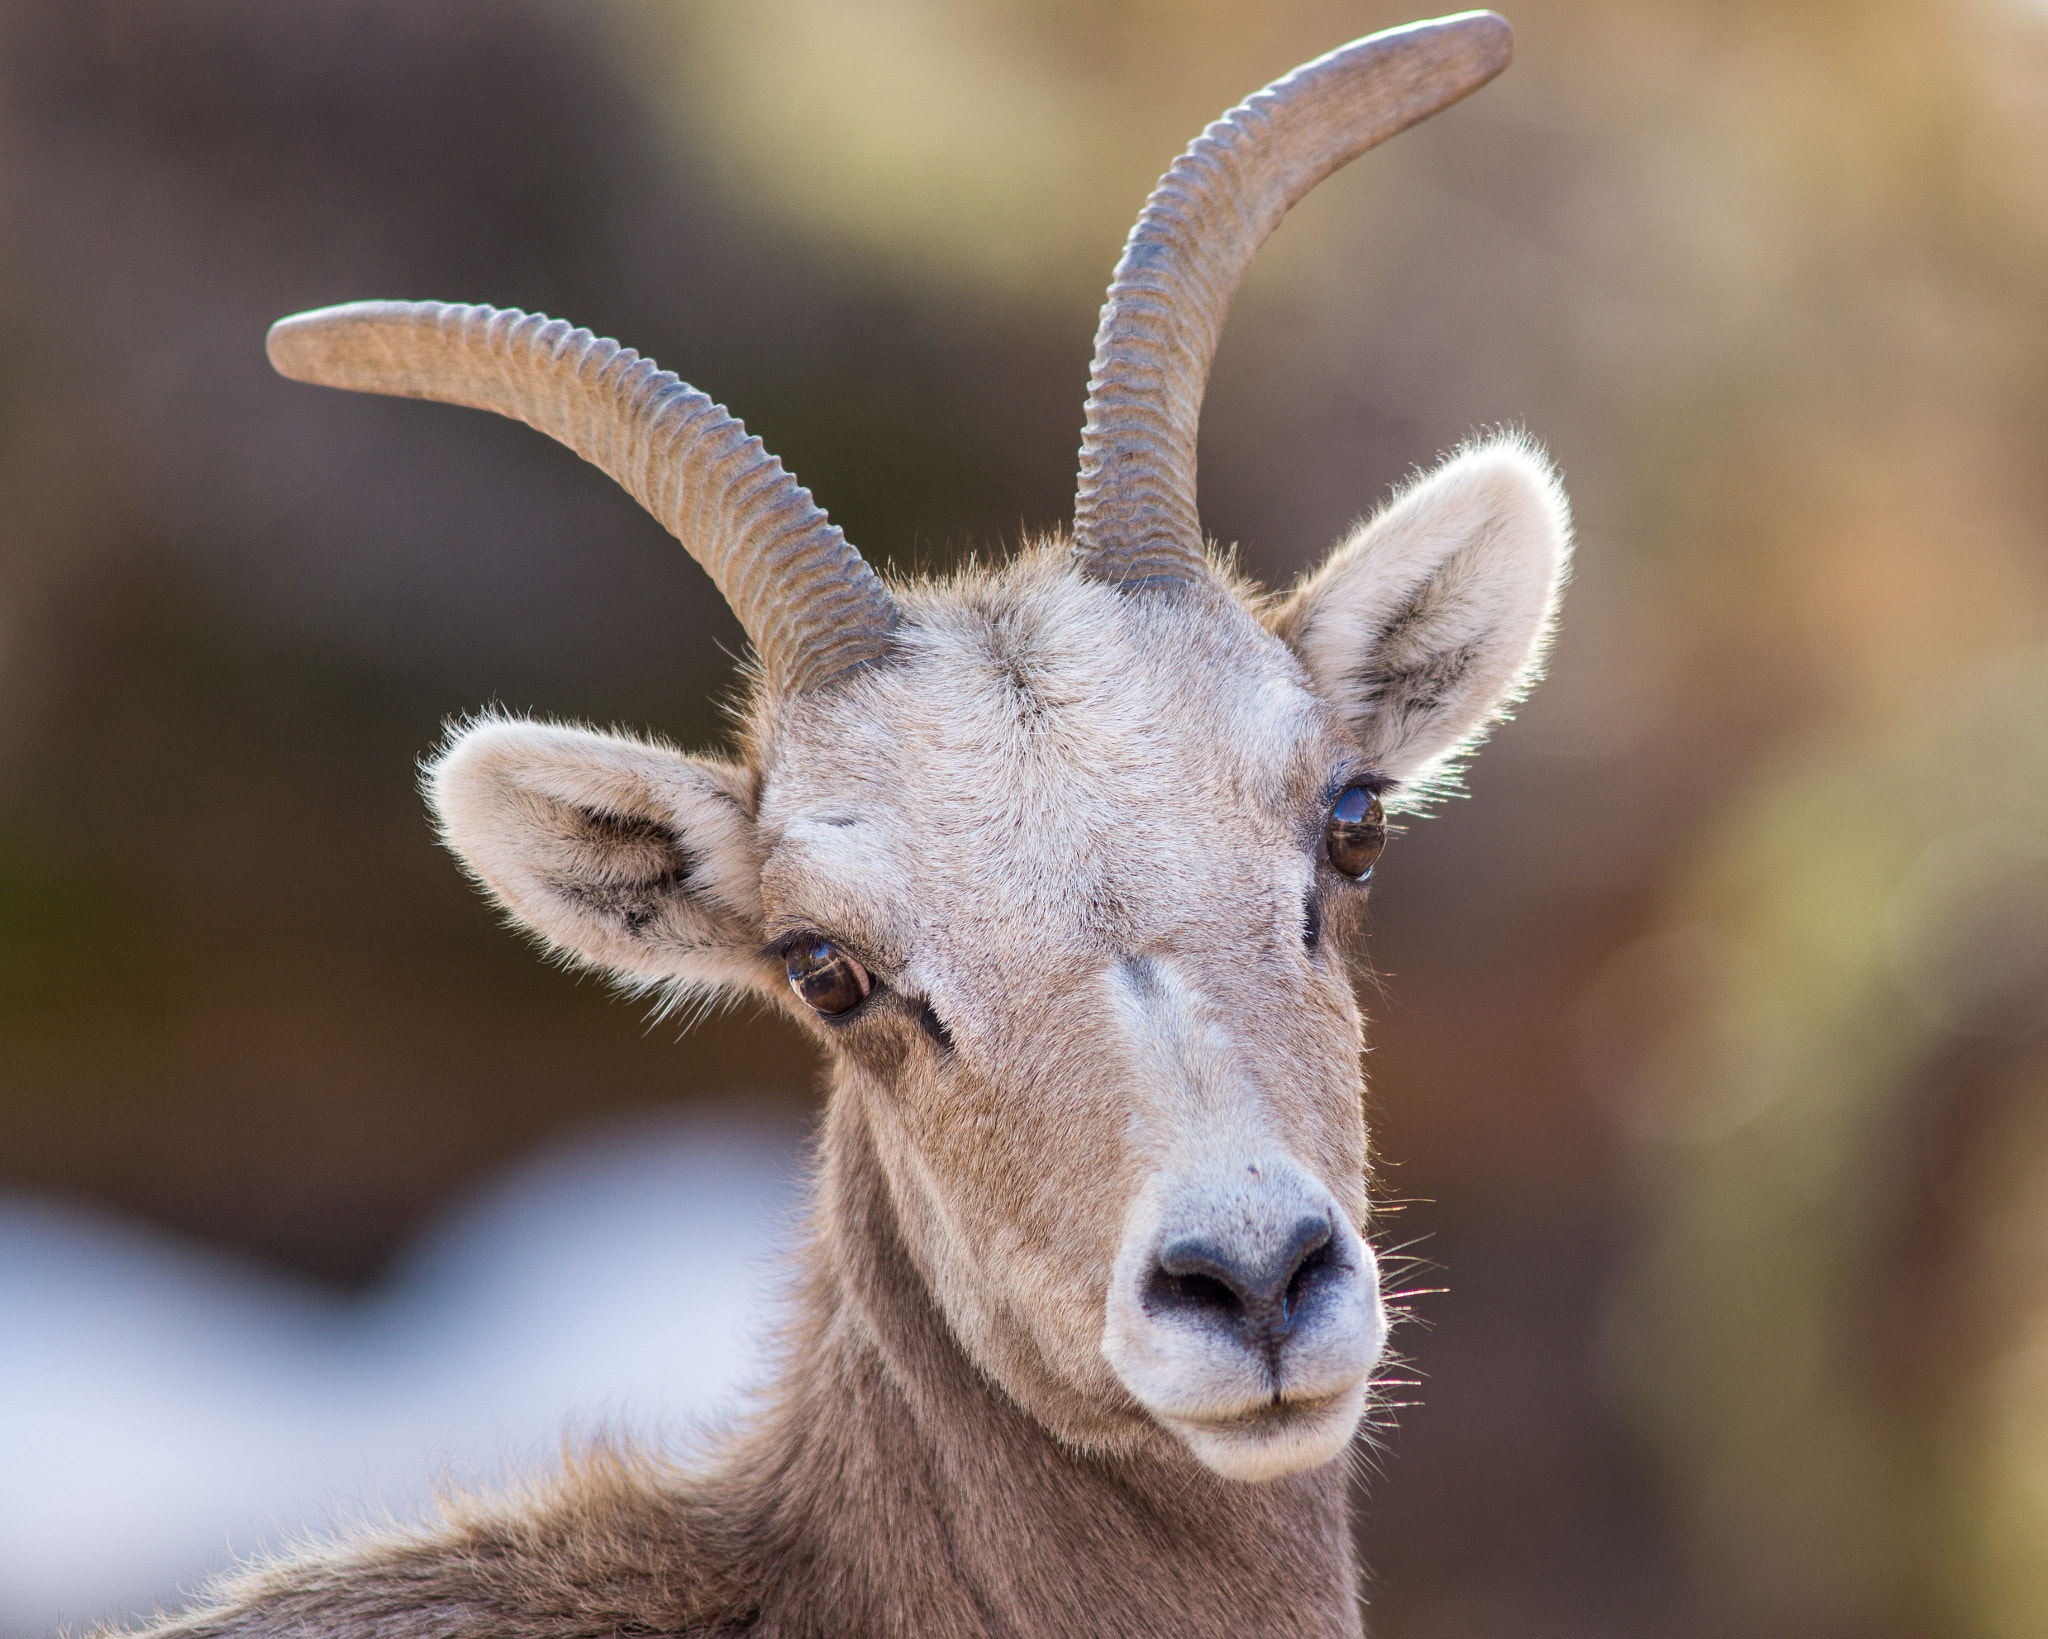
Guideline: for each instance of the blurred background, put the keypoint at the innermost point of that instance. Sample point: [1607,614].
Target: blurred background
[1709,1067]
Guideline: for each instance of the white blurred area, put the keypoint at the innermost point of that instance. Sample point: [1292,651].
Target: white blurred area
[166,1408]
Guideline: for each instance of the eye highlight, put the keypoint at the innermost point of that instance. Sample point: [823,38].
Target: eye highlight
[828,979]
[1356,832]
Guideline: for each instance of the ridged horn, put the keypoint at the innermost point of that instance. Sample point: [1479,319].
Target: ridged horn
[1134,510]
[812,606]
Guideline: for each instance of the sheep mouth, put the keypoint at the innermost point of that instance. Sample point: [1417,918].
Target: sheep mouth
[1276,1437]
[1279,1415]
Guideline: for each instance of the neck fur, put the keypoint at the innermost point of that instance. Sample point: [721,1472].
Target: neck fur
[888,1487]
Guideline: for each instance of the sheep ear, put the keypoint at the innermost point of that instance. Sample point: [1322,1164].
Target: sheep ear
[1430,619]
[618,853]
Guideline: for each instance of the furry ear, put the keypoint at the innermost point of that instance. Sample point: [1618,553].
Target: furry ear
[1431,618]
[615,852]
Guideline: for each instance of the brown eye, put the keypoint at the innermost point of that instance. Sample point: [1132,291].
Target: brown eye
[1356,833]
[827,978]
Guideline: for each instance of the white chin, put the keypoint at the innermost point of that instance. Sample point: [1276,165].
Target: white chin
[1275,1441]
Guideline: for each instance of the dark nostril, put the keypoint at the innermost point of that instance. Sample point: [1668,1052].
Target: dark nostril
[1314,1257]
[1263,1301]
[1195,1273]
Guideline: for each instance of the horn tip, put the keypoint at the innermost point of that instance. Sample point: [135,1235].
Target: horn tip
[288,342]
[1479,23]
[1492,33]
[1483,39]
[321,344]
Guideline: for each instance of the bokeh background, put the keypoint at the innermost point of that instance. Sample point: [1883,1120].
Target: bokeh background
[1709,1069]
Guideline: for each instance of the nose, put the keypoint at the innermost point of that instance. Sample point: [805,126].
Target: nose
[1261,1299]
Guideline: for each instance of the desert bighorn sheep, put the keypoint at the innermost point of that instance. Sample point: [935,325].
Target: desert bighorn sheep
[1060,861]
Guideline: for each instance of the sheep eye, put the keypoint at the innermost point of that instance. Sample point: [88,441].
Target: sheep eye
[1356,833]
[827,978]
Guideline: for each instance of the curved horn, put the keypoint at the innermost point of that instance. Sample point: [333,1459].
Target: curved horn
[1134,512]
[813,608]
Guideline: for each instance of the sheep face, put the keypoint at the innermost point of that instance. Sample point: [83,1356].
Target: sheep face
[1067,888]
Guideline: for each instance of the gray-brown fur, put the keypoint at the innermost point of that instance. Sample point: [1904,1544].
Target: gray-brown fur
[885,1489]
[1088,1312]
[914,1469]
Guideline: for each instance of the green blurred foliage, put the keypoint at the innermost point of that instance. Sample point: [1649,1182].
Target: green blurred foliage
[1839,1327]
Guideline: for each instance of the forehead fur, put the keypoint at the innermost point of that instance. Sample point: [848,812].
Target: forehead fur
[1049,746]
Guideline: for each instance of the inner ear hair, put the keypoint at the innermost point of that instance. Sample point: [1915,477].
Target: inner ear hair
[633,864]
[633,848]
[619,853]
